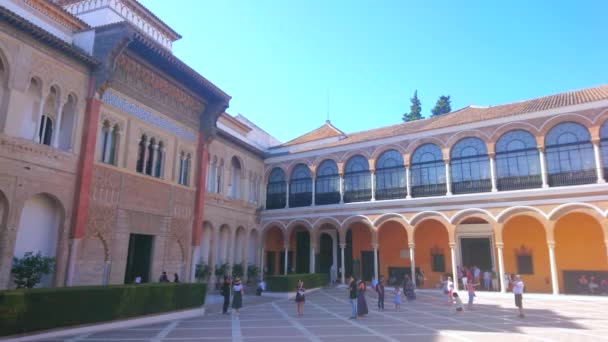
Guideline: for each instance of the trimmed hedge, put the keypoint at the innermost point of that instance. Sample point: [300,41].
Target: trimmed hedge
[287,283]
[29,310]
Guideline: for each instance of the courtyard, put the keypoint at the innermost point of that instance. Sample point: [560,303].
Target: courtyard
[429,318]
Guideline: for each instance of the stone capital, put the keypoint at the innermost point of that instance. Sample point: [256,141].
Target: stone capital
[411,245]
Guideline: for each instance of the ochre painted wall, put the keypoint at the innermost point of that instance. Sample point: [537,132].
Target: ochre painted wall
[392,238]
[362,240]
[274,243]
[528,232]
[579,245]
[430,234]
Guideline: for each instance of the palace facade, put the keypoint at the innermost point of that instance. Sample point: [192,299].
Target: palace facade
[120,161]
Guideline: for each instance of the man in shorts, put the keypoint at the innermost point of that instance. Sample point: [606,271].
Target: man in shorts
[518,291]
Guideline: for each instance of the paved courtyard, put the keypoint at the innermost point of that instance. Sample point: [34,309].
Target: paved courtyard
[429,318]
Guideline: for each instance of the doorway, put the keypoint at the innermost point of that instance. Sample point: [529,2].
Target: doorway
[476,251]
[367,265]
[270,263]
[302,252]
[139,258]
[325,258]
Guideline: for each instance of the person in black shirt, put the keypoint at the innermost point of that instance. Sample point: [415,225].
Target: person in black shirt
[380,290]
[163,278]
[352,296]
[225,291]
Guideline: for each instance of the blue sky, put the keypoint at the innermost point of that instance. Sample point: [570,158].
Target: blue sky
[277,59]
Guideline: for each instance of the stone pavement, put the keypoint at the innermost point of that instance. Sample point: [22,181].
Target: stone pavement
[428,318]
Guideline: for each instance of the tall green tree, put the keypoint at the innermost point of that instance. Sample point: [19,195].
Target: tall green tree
[442,106]
[415,109]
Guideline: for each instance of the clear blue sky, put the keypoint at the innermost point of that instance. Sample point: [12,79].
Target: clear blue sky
[277,58]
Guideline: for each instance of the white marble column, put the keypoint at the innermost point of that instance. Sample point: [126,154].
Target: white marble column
[553,264]
[376,261]
[448,181]
[57,130]
[373,178]
[286,194]
[454,269]
[412,263]
[543,167]
[341,188]
[501,268]
[343,270]
[408,181]
[311,266]
[314,190]
[493,172]
[286,259]
[599,169]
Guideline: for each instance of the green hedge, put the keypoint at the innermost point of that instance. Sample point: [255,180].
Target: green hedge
[29,310]
[286,283]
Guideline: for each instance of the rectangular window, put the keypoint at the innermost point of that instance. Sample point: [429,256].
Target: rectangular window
[524,264]
[438,263]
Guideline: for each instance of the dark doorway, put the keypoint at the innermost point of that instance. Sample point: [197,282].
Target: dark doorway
[289,262]
[348,254]
[476,252]
[139,258]
[270,263]
[302,252]
[326,247]
[367,265]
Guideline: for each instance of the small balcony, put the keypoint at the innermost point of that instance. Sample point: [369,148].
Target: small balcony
[572,178]
[519,182]
[472,186]
[428,190]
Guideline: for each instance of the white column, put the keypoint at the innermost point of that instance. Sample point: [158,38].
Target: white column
[314,189]
[501,268]
[448,182]
[493,172]
[163,154]
[286,259]
[408,184]
[543,166]
[454,269]
[412,263]
[373,178]
[57,129]
[553,264]
[152,157]
[341,188]
[599,170]
[343,270]
[286,194]
[311,269]
[376,261]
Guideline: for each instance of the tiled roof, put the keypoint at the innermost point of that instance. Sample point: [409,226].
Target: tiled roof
[326,131]
[473,114]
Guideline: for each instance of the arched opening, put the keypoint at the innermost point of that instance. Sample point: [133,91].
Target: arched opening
[327,183]
[359,252]
[432,252]
[470,167]
[276,190]
[579,251]
[604,147]
[525,252]
[390,176]
[68,121]
[299,251]
[357,180]
[38,230]
[517,161]
[159,160]
[393,252]
[569,154]
[300,187]
[427,172]
[151,152]
[46,127]
[239,246]
[273,249]
[206,243]
[31,114]
[475,240]
[223,246]
[235,178]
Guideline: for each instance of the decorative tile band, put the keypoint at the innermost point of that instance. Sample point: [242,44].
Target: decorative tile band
[142,114]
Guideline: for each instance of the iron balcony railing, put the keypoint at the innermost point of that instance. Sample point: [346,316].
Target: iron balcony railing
[300,199]
[391,193]
[327,198]
[362,195]
[472,186]
[572,178]
[427,190]
[519,182]
[275,201]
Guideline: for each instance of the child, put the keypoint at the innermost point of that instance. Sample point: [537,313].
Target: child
[449,288]
[397,300]
[458,302]
[471,290]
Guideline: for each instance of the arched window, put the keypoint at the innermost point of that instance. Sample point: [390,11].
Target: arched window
[569,154]
[427,172]
[45,133]
[470,167]
[141,153]
[517,161]
[109,136]
[327,185]
[357,182]
[275,191]
[390,176]
[235,178]
[151,152]
[159,161]
[184,168]
[604,147]
[46,127]
[300,187]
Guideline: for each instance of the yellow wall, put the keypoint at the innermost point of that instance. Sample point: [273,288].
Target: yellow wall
[392,238]
[362,241]
[274,243]
[579,245]
[527,231]
[428,234]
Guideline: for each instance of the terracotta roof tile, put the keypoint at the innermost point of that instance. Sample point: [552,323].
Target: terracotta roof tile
[326,131]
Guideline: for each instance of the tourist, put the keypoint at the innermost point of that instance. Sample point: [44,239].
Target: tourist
[449,289]
[261,288]
[397,300]
[333,274]
[380,291]
[300,298]
[476,274]
[420,278]
[507,279]
[374,283]
[408,289]
[352,296]
[163,278]
[138,280]
[471,291]
[464,278]
[225,292]
[237,298]
[458,302]
[469,277]
[495,281]
[361,301]
[593,285]
[583,284]
[175,278]
[518,291]
[486,280]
